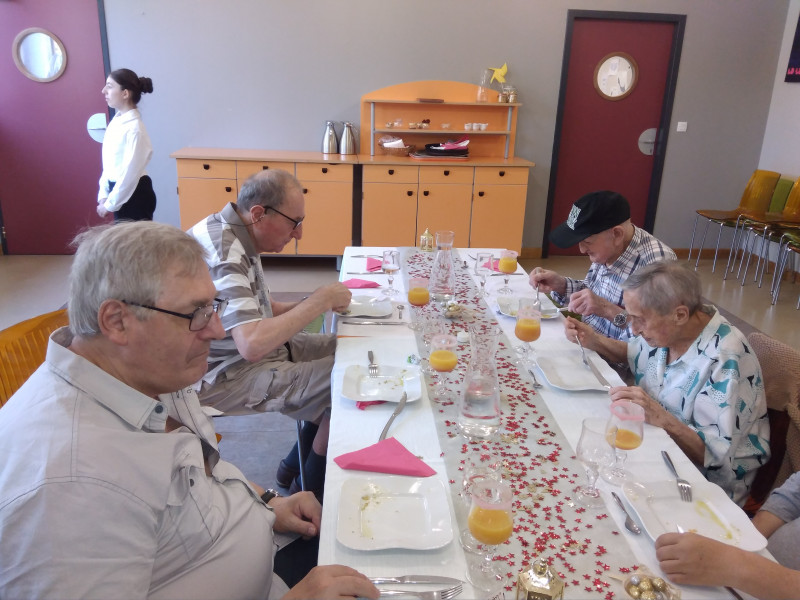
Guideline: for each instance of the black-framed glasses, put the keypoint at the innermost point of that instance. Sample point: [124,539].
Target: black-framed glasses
[198,319]
[297,222]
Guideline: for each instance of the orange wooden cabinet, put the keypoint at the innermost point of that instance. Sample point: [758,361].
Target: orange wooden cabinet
[328,226]
[445,201]
[389,205]
[204,187]
[497,207]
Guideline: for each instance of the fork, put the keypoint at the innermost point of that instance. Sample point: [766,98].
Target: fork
[373,367]
[444,594]
[684,487]
[583,352]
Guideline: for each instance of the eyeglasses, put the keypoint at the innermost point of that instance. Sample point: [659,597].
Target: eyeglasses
[199,318]
[297,222]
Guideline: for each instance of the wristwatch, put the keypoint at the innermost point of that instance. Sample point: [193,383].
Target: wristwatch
[621,319]
[269,495]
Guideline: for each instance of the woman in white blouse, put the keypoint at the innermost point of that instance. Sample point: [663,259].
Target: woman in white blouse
[125,189]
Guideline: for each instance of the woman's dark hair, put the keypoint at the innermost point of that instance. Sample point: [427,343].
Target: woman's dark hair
[128,80]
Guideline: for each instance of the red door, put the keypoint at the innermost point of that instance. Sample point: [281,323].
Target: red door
[598,147]
[49,166]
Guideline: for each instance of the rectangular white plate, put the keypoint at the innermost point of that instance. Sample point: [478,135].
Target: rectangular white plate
[389,511]
[710,513]
[565,370]
[389,385]
[369,307]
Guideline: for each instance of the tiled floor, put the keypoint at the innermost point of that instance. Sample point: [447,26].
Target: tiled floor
[31,285]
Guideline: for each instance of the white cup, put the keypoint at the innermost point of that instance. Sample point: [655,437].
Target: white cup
[467,126]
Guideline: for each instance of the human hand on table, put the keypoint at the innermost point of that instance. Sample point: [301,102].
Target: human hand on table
[298,513]
[574,330]
[689,558]
[334,296]
[586,302]
[548,281]
[333,582]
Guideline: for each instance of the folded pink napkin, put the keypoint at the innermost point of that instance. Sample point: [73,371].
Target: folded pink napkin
[387,456]
[374,264]
[363,404]
[494,266]
[360,283]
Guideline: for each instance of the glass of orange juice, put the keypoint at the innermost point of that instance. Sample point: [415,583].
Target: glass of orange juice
[418,296]
[483,267]
[490,523]
[528,327]
[624,431]
[507,265]
[443,360]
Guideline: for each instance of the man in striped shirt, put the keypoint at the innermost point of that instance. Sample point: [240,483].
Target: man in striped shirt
[600,223]
[266,362]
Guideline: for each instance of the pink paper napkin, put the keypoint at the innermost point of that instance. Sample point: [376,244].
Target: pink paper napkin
[374,264]
[363,404]
[494,266]
[360,283]
[387,456]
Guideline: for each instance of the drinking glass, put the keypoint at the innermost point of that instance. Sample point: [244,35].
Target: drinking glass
[507,265]
[490,523]
[443,360]
[391,265]
[528,327]
[418,296]
[430,326]
[593,452]
[624,431]
[476,468]
[483,268]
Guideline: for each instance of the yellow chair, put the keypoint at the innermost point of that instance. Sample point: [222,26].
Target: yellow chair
[756,198]
[22,349]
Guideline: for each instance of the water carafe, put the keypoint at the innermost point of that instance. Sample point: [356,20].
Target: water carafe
[479,404]
[330,141]
[348,140]
[443,273]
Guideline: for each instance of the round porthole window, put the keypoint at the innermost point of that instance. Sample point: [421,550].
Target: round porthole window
[616,75]
[39,54]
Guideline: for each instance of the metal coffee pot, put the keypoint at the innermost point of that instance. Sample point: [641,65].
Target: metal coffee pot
[330,141]
[348,140]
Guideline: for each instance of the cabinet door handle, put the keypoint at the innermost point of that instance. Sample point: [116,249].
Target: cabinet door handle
[480,194]
[324,169]
[264,167]
[206,166]
[425,193]
[502,173]
[446,172]
[305,190]
[228,188]
[409,193]
[391,171]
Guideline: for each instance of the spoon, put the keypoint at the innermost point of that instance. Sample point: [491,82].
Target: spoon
[630,524]
[400,308]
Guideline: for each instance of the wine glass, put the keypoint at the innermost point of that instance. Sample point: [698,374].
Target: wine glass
[391,265]
[593,452]
[624,431]
[529,326]
[489,523]
[443,360]
[507,265]
[430,327]
[418,296]
[483,268]
[477,468]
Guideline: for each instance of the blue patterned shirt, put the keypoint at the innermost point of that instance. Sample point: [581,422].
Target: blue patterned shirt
[606,281]
[716,389]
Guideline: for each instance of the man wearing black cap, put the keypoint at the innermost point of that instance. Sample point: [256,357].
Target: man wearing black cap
[600,223]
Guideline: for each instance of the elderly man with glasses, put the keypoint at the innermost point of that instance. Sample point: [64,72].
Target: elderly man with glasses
[112,485]
[266,362]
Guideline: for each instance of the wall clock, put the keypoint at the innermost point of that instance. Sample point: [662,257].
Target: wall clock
[616,75]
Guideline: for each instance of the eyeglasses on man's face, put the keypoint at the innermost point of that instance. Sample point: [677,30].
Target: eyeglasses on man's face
[297,222]
[198,319]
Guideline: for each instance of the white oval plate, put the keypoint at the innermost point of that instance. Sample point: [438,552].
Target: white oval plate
[389,385]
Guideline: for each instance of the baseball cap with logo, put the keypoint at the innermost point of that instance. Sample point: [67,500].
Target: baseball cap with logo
[592,213]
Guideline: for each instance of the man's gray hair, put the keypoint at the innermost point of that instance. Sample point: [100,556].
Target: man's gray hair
[127,261]
[665,285]
[267,188]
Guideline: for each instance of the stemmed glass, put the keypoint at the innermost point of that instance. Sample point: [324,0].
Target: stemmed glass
[624,431]
[507,265]
[529,326]
[477,468]
[483,268]
[391,265]
[430,327]
[593,452]
[418,296]
[490,523]
[443,359]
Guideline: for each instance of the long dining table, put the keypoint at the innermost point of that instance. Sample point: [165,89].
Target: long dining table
[590,549]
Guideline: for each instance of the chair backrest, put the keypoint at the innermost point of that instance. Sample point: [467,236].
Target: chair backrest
[780,194]
[791,460]
[758,191]
[791,209]
[22,349]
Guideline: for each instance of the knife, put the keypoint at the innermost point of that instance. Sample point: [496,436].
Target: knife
[416,579]
[346,322]
[378,272]
[505,274]
[365,256]
[400,406]
[598,375]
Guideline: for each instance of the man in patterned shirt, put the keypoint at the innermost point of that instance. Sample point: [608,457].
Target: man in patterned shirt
[600,223]
[266,362]
[695,374]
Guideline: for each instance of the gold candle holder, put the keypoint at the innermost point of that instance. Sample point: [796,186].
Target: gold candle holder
[539,582]
[426,241]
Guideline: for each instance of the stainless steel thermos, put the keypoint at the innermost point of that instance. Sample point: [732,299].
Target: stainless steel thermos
[348,140]
[330,141]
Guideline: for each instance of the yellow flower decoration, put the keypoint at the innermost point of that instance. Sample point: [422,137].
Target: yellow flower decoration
[499,73]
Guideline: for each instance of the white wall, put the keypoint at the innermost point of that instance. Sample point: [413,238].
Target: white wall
[269,73]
